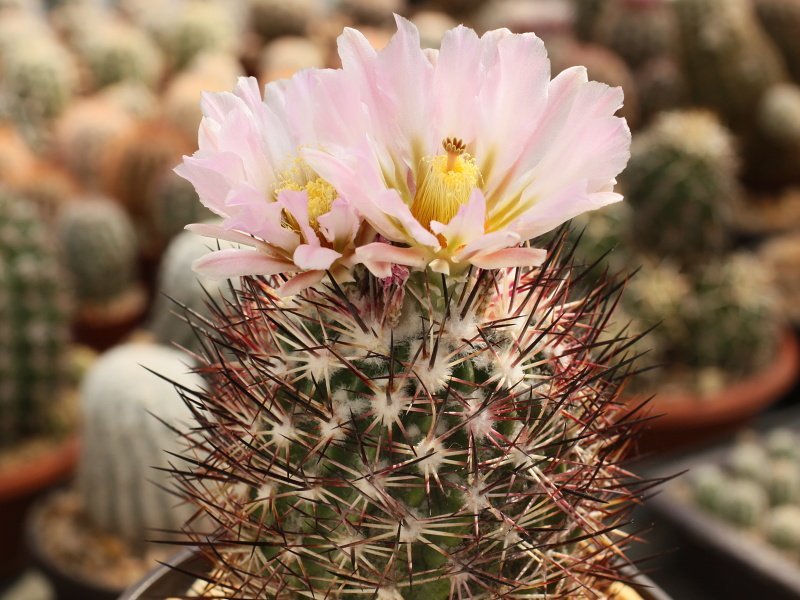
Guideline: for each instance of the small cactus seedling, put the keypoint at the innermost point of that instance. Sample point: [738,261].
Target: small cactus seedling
[744,504]
[129,417]
[100,248]
[34,323]
[681,183]
[748,460]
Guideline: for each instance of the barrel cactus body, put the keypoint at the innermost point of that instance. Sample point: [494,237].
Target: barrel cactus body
[729,60]
[120,52]
[124,442]
[34,322]
[276,18]
[198,27]
[781,20]
[371,12]
[744,504]
[381,451]
[101,251]
[783,528]
[172,206]
[184,296]
[773,149]
[681,184]
[662,86]
[637,30]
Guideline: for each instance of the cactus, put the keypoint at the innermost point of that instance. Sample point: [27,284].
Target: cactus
[39,80]
[432,26]
[400,439]
[276,18]
[180,289]
[586,13]
[119,52]
[173,205]
[34,323]
[16,158]
[637,30]
[783,528]
[781,20]
[200,26]
[729,61]
[681,184]
[748,459]
[126,413]
[744,504]
[371,12]
[782,481]
[284,56]
[100,249]
[84,134]
[50,187]
[661,87]
[709,484]
[139,160]
[773,150]
[136,99]
[782,443]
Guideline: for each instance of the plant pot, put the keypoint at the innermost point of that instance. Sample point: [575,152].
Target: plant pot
[174,578]
[685,419]
[79,559]
[20,486]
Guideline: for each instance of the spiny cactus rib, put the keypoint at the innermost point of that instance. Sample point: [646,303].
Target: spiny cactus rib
[343,453]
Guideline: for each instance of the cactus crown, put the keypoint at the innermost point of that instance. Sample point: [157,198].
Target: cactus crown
[34,323]
[412,437]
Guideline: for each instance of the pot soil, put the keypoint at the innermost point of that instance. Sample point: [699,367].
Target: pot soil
[185,571]
[685,419]
[79,560]
[27,471]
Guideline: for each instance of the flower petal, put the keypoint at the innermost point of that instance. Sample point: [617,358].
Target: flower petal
[510,257]
[379,257]
[235,262]
[314,257]
[298,283]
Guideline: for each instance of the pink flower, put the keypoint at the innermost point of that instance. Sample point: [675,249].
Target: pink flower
[472,150]
[249,170]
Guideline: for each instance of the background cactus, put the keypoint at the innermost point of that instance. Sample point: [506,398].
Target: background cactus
[100,249]
[681,185]
[284,56]
[783,528]
[728,59]
[781,20]
[773,150]
[661,86]
[398,459]
[126,409]
[180,289]
[34,323]
[199,26]
[275,18]
[371,12]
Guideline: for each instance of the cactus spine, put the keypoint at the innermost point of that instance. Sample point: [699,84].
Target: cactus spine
[392,449]
[126,410]
[681,184]
[34,323]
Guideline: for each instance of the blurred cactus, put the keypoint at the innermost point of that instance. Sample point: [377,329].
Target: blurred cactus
[781,20]
[120,52]
[729,61]
[371,12]
[127,414]
[637,30]
[16,158]
[50,187]
[276,18]
[100,249]
[661,86]
[432,26]
[199,26]
[773,149]
[781,479]
[34,323]
[284,56]
[709,485]
[782,257]
[180,289]
[84,134]
[681,184]
[172,206]
[783,528]
[748,459]
[744,503]
[136,99]
[586,13]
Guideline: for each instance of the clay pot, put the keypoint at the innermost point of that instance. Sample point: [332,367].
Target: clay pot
[686,419]
[174,579]
[20,486]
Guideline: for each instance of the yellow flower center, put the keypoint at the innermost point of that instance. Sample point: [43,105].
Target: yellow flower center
[447,182]
[321,194]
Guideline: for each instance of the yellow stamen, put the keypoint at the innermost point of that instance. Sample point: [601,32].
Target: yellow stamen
[321,194]
[447,182]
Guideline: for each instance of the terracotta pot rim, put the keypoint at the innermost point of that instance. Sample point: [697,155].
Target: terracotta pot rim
[32,475]
[739,400]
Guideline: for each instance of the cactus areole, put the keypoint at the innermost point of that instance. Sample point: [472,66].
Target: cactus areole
[406,399]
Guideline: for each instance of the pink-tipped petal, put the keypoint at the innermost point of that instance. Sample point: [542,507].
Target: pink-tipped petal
[298,283]
[379,257]
[310,257]
[510,257]
[235,262]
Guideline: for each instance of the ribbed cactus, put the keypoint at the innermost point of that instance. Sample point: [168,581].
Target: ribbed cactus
[100,249]
[172,206]
[34,323]
[401,439]
[127,415]
[275,18]
[681,184]
[661,86]
[729,60]
[199,26]
[773,149]
[637,30]
[120,52]
[180,289]
[744,503]
[781,20]
[84,134]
